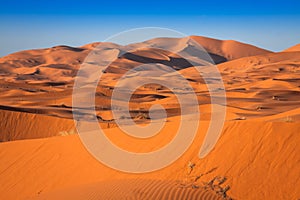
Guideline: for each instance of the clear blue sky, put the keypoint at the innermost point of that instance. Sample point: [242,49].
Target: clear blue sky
[273,25]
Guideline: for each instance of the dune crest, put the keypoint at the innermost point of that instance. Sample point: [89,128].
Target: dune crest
[293,48]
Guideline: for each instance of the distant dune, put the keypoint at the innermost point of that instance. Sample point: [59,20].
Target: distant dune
[229,49]
[257,156]
[294,48]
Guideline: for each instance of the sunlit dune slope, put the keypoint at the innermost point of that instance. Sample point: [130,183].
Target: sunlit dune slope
[256,157]
[293,48]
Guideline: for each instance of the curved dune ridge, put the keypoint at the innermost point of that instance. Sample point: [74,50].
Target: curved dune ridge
[256,157]
[131,189]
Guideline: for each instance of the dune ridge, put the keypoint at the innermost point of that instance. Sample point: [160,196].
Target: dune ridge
[293,48]
[229,49]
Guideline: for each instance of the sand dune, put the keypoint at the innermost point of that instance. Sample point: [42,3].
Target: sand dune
[18,125]
[263,85]
[40,81]
[257,155]
[229,49]
[293,48]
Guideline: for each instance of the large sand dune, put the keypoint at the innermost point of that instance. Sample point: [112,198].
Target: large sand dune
[293,48]
[229,49]
[259,160]
[257,155]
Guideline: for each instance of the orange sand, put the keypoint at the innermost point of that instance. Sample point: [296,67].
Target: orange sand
[258,151]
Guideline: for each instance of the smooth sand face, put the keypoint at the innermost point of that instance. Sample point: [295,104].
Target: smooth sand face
[293,48]
[257,152]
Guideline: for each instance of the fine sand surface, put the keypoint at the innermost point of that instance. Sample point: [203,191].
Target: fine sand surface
[131,189]
[257,156]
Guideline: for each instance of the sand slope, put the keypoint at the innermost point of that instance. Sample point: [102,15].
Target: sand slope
[259,159]
[22,125]
[293,48]
[229,49]
[132,189]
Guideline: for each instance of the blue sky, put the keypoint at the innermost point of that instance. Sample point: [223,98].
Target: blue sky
[31,24]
